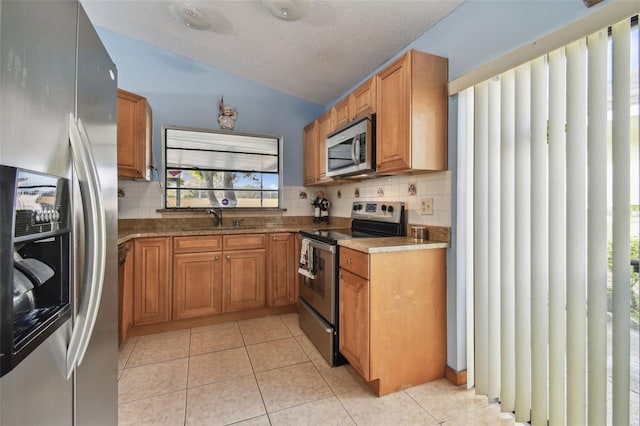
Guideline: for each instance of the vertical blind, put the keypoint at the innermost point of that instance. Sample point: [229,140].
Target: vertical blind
[537,146]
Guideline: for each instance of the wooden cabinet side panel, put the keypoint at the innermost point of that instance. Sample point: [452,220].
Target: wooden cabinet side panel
[408,293]
[392,121]
[127,290]
[152,287]
[244,280]
[281,273]
[429,112]
[197,284]
[354,321]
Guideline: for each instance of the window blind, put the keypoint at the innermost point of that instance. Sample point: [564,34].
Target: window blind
[537,139]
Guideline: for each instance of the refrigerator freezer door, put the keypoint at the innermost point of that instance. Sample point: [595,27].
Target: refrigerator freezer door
[96,390]
[37,91]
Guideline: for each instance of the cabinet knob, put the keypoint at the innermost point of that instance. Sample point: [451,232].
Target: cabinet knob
[139,172]
[349,261]
[216,258]
[274,238]
[229,256]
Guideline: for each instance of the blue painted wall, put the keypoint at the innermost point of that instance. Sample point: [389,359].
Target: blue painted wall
[183,92]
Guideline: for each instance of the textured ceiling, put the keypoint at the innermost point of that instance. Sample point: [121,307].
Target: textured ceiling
[317,58]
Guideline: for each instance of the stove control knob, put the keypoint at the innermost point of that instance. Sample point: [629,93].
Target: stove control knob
[390,209]
[383,208]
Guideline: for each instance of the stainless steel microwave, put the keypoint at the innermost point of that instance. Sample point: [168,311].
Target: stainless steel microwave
[351,149]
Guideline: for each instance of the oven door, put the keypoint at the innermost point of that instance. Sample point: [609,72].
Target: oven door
[319,292]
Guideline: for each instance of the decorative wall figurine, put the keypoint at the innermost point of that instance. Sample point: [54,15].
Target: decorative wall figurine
[227,117]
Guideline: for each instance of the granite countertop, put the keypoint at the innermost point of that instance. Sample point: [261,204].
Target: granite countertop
[129,229]
[390,244]
[125,235]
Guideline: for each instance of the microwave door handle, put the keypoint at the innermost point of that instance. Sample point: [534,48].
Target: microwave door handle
[355,150]
[95,243]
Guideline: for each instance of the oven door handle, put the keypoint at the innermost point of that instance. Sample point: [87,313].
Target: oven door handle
[319,245]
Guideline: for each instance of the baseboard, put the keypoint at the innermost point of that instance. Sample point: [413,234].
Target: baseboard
[456,377]
[142,330]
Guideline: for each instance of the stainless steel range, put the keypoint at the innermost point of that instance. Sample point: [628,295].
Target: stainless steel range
[319,264]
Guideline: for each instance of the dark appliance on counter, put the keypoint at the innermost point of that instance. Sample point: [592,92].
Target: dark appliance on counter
[319,265]
[35,228]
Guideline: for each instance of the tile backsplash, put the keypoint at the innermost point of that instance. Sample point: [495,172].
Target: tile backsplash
[143,199]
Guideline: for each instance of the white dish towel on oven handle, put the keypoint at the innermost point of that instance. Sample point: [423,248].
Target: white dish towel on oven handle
[306,259]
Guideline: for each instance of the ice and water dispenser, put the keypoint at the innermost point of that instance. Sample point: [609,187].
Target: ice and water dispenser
[35,238]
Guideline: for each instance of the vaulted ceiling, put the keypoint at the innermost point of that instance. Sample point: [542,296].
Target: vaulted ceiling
[316,58]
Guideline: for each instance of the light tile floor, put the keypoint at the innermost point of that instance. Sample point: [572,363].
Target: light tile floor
[265,371]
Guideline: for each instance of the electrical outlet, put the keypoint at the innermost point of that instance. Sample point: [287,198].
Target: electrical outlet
[426,206]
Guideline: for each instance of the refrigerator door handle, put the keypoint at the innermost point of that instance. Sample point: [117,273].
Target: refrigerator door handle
[95,243]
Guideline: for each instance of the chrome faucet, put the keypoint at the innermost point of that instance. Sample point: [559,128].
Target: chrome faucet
[217,215]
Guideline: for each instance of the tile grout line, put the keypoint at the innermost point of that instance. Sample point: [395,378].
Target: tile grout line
[186,391]
[255,378]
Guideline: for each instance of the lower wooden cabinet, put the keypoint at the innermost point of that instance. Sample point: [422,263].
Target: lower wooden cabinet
[182,277]
[282,273]
[244,280]
[393,316]
[354,321]
[152,280]
[197,284]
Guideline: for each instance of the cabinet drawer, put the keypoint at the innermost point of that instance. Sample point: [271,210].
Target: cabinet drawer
[354,261]
[196,244]
[244,241]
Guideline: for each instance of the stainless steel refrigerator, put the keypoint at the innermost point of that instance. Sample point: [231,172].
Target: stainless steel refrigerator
[57,86]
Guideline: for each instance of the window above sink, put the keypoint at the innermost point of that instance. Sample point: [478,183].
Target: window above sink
[208,168]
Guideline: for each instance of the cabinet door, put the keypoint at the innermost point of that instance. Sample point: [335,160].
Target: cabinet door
[310,154]
[282,273]
[325,126]
[392,121]
[341,112]
[354,321]
[363,99]
[152,286]
[133,130]
[244,280]
[197,284]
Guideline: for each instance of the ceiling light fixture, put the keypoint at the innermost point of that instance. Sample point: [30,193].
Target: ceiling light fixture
[287,10]
[190,16]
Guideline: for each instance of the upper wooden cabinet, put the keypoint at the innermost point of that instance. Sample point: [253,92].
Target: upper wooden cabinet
[326,125]
[359,102]
[411,122]
[315,143]
[310,154]
[134,136]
